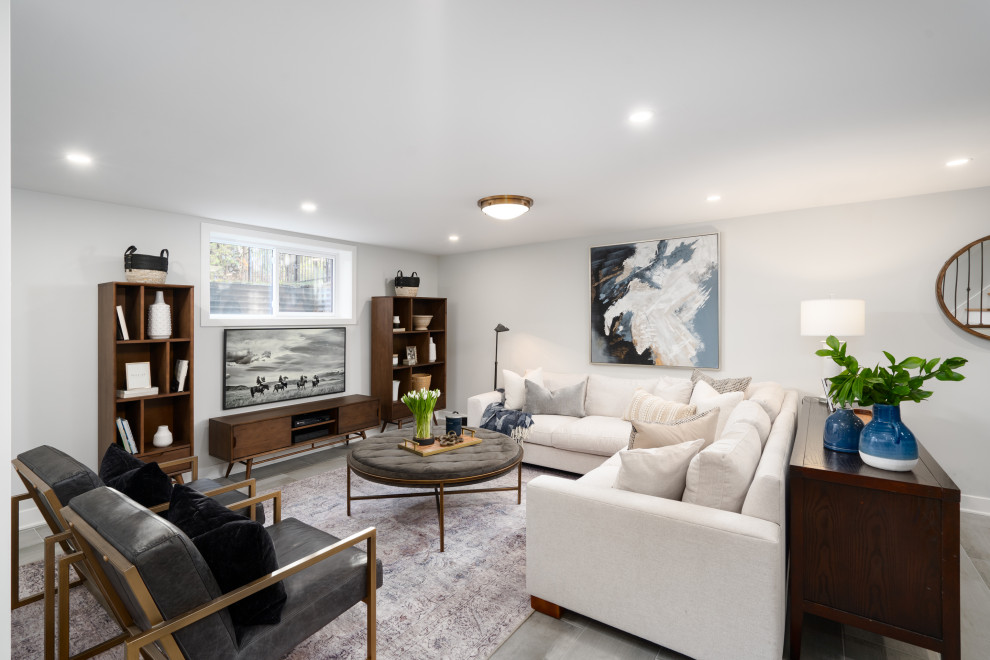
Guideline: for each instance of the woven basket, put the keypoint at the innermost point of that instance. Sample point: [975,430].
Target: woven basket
[406,287]
[145,268]
[420,381]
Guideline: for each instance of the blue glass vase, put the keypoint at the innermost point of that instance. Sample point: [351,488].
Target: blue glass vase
[842,429]
[886,443]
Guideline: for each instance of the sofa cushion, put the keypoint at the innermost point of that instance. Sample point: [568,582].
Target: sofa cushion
[769,395]
[674,389]
[766,497]
[609,397]
[515,389]
[645,435]
[564,401]
[720,475]
[721,385]
[660,471]
[553,381]
[594,434]
[541,432]
[751,412]
[705,398]
[646,407]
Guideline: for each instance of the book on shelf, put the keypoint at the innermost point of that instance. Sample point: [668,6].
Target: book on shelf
[137,391]
[131,444]
[181,371]
[121,324]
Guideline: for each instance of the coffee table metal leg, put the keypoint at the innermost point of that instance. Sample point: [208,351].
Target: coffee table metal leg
[519,486]
[348,490]
[441,516]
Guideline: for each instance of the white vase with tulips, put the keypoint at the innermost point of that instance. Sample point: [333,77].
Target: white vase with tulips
[421,403]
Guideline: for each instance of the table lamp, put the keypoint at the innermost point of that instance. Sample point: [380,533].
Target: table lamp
[842,318]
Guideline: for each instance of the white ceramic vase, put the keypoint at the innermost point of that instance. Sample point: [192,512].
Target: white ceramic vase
[159,318]
[433,351]
[163,437]
[395,390]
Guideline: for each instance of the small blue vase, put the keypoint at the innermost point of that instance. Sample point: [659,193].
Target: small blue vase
[842,429]
[886,443]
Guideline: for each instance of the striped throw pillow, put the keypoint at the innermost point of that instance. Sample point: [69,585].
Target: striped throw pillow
[646,407]
[723,385]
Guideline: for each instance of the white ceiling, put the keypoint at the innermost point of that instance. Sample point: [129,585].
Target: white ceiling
[396,116]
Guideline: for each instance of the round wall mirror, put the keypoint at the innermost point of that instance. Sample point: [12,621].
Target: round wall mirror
[963,288]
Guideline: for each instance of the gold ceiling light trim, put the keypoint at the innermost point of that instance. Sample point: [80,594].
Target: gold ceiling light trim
[505,207]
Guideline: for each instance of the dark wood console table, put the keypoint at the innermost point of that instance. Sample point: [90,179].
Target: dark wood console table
[281,432]
[870,548]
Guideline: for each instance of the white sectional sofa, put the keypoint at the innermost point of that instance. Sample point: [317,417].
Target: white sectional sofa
[580,444]
[702,581]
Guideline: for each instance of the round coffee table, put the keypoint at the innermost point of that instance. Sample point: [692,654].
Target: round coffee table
[379,459]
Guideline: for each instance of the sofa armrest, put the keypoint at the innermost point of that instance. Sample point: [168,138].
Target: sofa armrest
[478,403]
[646,564]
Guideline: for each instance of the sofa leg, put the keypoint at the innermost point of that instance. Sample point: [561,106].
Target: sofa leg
[545,607]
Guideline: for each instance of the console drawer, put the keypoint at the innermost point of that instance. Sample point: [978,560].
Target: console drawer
[261,437]
[357,416]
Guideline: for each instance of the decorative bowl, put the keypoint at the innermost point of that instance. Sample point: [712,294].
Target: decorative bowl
[421,321]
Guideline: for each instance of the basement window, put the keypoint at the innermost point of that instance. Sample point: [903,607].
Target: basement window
[258,278]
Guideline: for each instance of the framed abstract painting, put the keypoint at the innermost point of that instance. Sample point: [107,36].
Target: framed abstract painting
[656,302]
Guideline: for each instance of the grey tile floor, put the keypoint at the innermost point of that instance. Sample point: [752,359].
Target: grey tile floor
[574,637]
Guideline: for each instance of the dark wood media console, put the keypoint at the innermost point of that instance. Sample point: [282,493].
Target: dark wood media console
[870,548]
[280,432]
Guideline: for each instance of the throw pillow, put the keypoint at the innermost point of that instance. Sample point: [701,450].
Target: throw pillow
[236,549]
[645,435]
[565,401]
[116,461]
[721,385]
[705,398]
[660,472]
[146,485]
[239,552]
[769,395]
[720,475]
[515,388]
[195,513]
[646,407]
[750,412]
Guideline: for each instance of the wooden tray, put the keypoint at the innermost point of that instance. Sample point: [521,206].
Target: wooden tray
[436,448]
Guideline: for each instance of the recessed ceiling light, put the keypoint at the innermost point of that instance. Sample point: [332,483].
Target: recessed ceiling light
[78,158]
[958,161]
[641,116]
[454,238]
[308,207]
[713,198]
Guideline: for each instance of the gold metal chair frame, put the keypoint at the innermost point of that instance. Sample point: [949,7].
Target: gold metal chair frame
[37,488]
[158,642]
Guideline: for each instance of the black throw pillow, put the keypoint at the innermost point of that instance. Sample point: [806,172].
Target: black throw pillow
[239,552]
[195,513]
[116,461]
[146,485]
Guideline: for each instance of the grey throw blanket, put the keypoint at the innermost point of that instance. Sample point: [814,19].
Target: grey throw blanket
[513,423]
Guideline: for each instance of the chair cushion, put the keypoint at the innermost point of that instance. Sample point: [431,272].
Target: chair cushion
[236,549]
[147,485]
[116,461]
[564,401]
[66,476]
[315,596]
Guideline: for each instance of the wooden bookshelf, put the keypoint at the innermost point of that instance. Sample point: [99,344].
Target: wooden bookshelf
[145,414]
[385,341]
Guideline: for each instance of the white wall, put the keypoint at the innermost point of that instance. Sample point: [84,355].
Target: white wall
[887,252]
[63,248]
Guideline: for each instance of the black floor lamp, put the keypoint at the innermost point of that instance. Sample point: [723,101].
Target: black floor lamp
[498,330]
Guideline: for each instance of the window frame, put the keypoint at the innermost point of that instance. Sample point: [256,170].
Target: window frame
[344,276]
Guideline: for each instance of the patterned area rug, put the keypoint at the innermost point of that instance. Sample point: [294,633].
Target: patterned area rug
[459,604]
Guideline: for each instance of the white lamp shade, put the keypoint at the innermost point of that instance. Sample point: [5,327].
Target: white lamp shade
[842,318]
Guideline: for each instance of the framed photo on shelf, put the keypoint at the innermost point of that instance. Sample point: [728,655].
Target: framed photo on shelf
[137,375]
[410,355]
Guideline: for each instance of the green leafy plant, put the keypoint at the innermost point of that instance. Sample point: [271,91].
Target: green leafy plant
[888,385]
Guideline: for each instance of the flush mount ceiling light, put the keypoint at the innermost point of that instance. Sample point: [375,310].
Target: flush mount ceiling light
[79,159]
[713,198]
[641,116]
[958,161]
[505,207]
[453,238]
[308,207]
